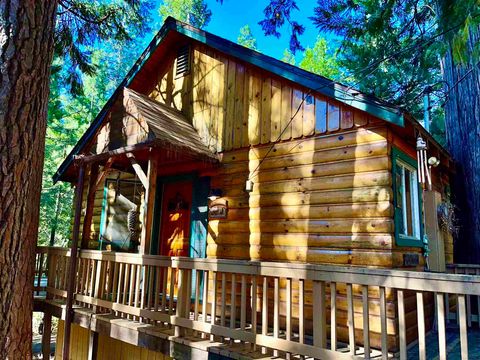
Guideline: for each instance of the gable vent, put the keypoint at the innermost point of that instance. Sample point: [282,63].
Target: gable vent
[183,61]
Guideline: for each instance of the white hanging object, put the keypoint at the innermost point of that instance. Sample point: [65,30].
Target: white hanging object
[424,177]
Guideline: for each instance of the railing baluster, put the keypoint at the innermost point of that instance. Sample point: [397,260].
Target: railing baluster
[276,310]
[164,288]
[301,310]
[233,303]
[383,320]
[265,310]
[205,296]
[288,324]
[149,271]
[131,292]
[156,293]
[243,303]
[197,294]
[469,307]
[402,332]
[421,326]
[463,326]
[214,303]
[181,292]
[223,299]
[139,280]
[172,290]
[366,322]
[441,326]
[333,316]
[254,308]
[319,315]
[351,320]
[113,284]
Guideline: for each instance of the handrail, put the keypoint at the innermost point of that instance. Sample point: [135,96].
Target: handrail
[271,304]
[399,279]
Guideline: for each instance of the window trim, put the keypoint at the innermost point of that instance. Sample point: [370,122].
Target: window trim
[400,239]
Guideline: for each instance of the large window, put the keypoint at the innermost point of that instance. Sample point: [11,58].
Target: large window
[408,226]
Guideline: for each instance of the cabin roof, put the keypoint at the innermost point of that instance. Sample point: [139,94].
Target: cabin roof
[314,82]
[168,126]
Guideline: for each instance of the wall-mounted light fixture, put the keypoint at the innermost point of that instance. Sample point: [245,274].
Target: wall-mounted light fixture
[214,194]
[249,186]
[433,161]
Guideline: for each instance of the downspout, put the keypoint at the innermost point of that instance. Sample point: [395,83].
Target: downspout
[73,256]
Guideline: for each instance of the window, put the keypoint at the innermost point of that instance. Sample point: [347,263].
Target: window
[408,227]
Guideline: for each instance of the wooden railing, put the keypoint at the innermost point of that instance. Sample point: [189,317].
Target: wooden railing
[285,307]
[472,302]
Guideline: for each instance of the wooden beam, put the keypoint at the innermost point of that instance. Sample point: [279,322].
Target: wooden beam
[138,169]
[149,204]
[105,171]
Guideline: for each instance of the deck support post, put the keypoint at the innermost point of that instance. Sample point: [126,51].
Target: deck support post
[46,335]
[73,257]
[149,203]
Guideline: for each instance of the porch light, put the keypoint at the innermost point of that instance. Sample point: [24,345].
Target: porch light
[249,186]
[433,161]
[215,194]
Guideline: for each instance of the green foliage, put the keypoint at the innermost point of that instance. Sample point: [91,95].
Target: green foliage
[288,57]
[246,38]
[82,80]
[193,12]
[320,60]
[82,24]
[390,49]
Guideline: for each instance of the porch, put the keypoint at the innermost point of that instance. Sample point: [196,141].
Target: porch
[240,309]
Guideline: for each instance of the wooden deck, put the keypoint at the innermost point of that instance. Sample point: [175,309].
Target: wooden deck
[262,307]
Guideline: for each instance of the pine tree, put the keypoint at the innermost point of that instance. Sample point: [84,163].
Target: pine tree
[32,35]
[246,38]
[193,12]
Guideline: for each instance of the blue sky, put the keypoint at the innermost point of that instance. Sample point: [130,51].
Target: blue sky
[230,16]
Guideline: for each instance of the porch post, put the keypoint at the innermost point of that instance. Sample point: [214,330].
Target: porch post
[87,221]
[149,203]
[73,257]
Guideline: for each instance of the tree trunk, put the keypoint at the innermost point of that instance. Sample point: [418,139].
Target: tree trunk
[462,122]
[26,44]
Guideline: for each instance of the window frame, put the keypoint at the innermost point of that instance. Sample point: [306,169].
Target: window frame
[408,162]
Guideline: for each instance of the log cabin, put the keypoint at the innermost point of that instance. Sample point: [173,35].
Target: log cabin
[212,153]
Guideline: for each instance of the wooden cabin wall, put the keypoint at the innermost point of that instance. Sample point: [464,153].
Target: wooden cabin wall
[325,199]
[233,105]
[107,348]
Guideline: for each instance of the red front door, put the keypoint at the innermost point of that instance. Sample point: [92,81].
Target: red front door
[175,224]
